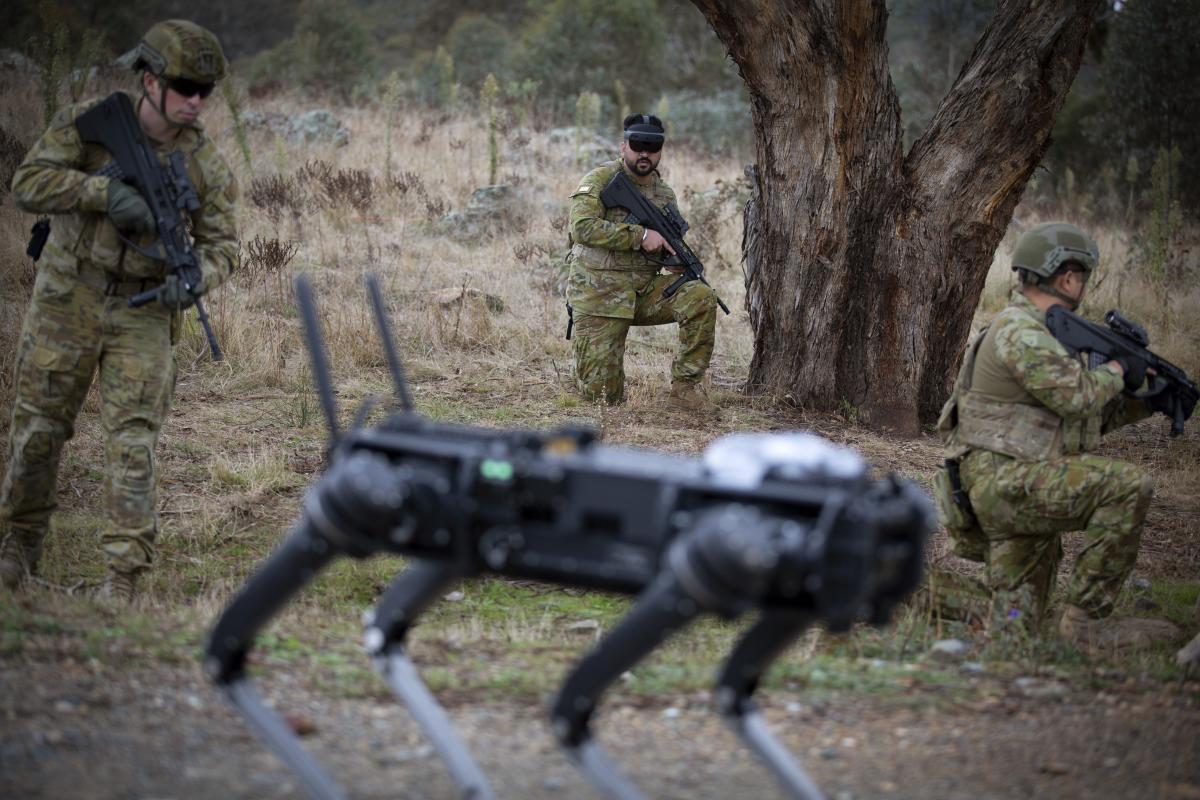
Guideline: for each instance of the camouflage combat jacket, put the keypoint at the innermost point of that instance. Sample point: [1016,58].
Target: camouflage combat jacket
[606,264]
[57,178]
[1020,393]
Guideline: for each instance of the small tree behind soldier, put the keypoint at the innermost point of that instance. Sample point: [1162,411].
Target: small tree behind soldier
[1017,429]
[79,323]
[615,280]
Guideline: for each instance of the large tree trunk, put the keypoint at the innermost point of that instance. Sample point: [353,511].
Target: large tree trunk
[863,265]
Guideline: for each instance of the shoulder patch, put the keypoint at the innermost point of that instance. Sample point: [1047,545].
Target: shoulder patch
[584,189]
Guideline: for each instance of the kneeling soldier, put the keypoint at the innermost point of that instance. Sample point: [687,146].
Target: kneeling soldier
[614,282]
[1018,428]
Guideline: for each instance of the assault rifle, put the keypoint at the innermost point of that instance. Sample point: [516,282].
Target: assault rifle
[785,525]
[168,191]
[1169,390]
[621,193]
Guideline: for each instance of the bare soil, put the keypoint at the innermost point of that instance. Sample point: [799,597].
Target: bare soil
[72,730]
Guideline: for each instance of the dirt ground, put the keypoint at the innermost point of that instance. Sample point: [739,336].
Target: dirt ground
[70,730]
[119,729]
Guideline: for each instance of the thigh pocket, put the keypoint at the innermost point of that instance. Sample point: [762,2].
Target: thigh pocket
[1054,495]
[49,377]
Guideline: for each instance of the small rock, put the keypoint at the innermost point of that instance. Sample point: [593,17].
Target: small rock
[318,125]
[671,713]
[1188,656]
[414,753]
[1141,584]
[64,707]
[948,650]
[793,708]
[1112,762]
[454,596]
[849,742]
[194,702]
[301,724]
[1145,604]
[583,626]
[1037,688]
[1055,768]
[971,667]
[455,295]
[829,753]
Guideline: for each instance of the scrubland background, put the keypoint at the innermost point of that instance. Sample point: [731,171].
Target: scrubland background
[480,323]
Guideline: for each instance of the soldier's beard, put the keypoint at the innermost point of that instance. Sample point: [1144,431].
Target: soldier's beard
[639,165]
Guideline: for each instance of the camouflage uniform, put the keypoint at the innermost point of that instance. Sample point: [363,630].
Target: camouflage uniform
[1023,414]
[79,322]
[612,284]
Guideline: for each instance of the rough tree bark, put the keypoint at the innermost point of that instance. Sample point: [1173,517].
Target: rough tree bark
[863,265]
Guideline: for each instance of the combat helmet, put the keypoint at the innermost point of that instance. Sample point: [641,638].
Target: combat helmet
[1044,248]
[178,48]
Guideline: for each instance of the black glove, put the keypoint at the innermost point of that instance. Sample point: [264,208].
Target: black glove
[127,209]
[1135,371]
[174,296]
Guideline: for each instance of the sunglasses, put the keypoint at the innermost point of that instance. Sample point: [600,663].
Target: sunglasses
[189,88]
[644,147]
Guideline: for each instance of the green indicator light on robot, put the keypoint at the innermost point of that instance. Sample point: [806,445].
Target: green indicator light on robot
[496,470]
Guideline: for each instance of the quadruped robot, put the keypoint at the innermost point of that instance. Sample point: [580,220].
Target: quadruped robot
[785,526]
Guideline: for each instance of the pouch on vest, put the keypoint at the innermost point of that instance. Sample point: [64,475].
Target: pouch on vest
[967,539]
[38,235]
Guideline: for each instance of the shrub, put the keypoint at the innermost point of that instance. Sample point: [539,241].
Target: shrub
[478,46]
[329,48]
[434,79]
[274,193]
[719,122]
[586,45]
[267,260]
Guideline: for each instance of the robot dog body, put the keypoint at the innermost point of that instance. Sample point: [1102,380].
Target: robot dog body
[785,525]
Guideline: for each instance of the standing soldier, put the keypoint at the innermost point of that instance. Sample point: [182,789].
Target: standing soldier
[1018,428]
[614,281]
[79,321]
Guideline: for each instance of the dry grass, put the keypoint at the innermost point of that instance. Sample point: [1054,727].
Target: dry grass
[246,434]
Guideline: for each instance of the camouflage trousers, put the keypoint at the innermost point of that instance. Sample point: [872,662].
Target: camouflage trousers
[1025,507]
[71,332]
[600,341]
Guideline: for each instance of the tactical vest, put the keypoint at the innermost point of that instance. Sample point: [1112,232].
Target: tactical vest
[998,414]
[634,260]
[90,238]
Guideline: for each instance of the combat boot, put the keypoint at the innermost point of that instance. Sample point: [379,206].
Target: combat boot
[688,396]
[14,565]
[119,588]
[1114,636]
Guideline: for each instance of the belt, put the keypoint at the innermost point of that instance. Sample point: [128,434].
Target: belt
[112,285]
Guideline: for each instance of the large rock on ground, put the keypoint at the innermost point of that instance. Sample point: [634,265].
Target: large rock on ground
[490,210]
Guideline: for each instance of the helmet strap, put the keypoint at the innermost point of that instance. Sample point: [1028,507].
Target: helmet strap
[161,106]
[1050,289]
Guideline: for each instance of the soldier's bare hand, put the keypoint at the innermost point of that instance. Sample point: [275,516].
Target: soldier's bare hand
[653,241]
